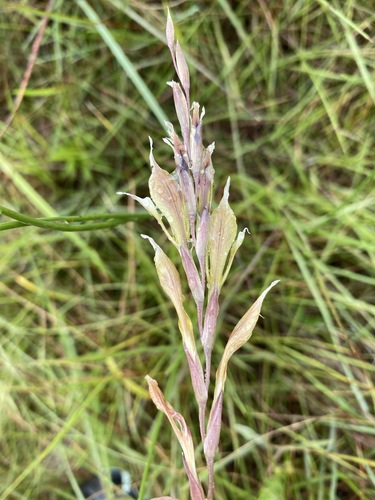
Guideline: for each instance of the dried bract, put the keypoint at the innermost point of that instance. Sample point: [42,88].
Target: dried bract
[182,433]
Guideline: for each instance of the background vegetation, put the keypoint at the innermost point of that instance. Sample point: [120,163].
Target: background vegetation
[289,91]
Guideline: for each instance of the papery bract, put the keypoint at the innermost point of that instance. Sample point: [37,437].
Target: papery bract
[221,235]
[205,179]
[239,336]
[182,112]
[192,275]
[196,147]
[183,71]
[181,159]
[196,490]
[171,284]
[167,197]
[177,422]
[170,37]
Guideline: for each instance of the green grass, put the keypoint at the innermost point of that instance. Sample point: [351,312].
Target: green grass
[289,92]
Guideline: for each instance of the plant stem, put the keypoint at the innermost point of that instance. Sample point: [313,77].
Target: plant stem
[107,221]
[208,369]
[211,481]
[202,421]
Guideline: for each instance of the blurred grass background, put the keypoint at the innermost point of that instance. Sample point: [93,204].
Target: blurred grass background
[289,92]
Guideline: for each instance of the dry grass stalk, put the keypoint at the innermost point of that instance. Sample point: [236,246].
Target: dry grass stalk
[207,241]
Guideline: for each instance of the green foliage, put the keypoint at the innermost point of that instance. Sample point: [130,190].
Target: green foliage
[289,91]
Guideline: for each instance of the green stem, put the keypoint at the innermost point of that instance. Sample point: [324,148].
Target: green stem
[106,221]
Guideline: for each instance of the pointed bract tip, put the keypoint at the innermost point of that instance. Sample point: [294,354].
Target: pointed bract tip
[169,28]
[226,189]
[153,244]
[211,147]
[168,141]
